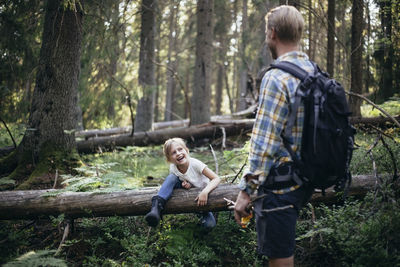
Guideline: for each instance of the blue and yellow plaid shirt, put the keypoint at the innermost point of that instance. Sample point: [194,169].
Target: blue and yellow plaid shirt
[277,92]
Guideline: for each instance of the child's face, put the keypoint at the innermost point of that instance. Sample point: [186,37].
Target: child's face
[178,155]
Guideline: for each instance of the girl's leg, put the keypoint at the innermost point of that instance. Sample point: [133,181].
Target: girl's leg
[208,220]
[171,182]
[158,202]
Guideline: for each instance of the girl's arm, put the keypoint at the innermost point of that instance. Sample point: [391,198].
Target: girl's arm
[215,180]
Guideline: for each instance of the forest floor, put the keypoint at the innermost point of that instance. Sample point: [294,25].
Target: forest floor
[358,233]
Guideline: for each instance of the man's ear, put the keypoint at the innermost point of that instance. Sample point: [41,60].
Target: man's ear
[272,33]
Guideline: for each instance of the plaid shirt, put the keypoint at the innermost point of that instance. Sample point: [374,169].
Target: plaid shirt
[276,93]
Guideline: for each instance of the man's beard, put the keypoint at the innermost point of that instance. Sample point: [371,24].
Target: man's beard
[272,49]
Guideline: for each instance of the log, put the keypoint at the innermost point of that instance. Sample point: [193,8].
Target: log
[376,121]
[102,132]
[210,130]
[93,133]
[32,204]
[156,137]
[193,133]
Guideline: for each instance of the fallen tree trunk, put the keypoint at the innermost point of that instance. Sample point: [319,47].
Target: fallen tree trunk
[210,130]
[34,203]
[193,133]
[376,121]
[93,133]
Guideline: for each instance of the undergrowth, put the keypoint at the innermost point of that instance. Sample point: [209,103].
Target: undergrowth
[358,233]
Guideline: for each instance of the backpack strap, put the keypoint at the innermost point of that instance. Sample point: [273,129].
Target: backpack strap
[301,74]
[291,68]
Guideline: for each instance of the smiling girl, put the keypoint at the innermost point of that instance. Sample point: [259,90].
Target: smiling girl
[185,172]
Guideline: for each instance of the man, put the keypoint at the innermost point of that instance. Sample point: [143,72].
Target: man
[277,211]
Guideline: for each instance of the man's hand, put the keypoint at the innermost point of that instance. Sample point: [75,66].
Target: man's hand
[242,202]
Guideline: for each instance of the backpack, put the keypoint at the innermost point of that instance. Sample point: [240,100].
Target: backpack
[328,138]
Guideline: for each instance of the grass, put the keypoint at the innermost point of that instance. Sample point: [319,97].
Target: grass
[391,106]
[355,234]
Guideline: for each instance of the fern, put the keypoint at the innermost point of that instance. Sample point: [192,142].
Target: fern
[54,193]
[6,181]
[99,179]
[38,258]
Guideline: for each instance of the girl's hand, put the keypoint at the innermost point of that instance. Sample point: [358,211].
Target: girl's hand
[202,198]
[186,184]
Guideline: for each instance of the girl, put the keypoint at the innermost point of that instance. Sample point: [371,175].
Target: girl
[185,172]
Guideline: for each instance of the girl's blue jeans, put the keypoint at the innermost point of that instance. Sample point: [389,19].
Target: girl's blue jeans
[172,182]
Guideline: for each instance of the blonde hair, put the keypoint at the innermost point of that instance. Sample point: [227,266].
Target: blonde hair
[168,144]
[287,22]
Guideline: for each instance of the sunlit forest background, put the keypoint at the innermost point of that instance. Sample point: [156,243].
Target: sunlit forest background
[110,54]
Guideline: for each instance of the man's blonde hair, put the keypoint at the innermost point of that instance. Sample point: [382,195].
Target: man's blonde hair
[287,22]
[168,144]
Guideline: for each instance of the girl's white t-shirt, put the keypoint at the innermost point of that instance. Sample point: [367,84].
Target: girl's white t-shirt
[194,173]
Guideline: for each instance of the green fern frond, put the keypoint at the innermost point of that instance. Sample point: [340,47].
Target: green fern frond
[54,193]
[74,179]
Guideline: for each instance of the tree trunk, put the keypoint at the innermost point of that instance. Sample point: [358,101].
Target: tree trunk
[356,56]
[386,84]
[159,69]
[330,61]
[34,203]
[242,103]
[219,88]
[49,142]
[342,54]
[368,77]
[172,65]
[311,42]
[145,108]
[265,55]
[200,104]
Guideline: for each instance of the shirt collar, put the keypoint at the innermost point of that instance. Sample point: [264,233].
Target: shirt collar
[292,55]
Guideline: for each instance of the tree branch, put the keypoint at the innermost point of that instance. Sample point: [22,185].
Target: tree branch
[376,106]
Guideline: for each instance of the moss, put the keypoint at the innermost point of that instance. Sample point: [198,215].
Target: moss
[51,158]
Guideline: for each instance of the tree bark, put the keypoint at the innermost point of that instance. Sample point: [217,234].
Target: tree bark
[356,56]
[387,53]
[311,42]
[34,203]
[331,38]
[170,99]
[145,108]
[265,55]
[201,97]
[243,72]
[49,140]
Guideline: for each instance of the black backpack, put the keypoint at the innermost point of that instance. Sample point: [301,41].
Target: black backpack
[328,138]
